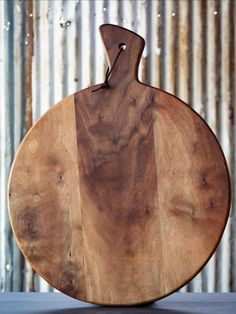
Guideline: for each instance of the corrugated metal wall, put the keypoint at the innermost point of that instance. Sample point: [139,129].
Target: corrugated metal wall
[49,49]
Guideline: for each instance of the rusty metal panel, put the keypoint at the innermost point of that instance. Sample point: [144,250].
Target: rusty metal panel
[51,48]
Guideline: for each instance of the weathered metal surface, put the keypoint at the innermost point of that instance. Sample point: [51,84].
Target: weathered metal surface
[49,49]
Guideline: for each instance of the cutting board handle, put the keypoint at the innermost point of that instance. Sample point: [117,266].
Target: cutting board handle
[126,67]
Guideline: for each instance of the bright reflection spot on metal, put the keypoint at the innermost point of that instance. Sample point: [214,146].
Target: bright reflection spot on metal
[64,23]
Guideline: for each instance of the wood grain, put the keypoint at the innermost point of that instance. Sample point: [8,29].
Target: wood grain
[119,196]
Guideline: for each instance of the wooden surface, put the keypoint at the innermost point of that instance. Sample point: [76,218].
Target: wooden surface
[57,303]
[119,196]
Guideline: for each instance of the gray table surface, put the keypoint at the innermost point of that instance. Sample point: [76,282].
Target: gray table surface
[57,303]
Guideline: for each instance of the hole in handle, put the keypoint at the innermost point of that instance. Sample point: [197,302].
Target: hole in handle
[122,46]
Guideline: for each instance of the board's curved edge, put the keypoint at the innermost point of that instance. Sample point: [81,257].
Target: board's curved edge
[220,236]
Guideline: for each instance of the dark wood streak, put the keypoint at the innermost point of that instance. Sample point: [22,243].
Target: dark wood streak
[114,154]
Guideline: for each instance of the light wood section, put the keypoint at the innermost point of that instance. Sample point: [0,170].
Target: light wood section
[44,199]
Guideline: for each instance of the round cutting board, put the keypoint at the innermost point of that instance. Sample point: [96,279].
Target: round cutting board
[119,195]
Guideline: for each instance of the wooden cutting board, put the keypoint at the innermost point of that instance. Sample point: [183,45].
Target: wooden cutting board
[119,196]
